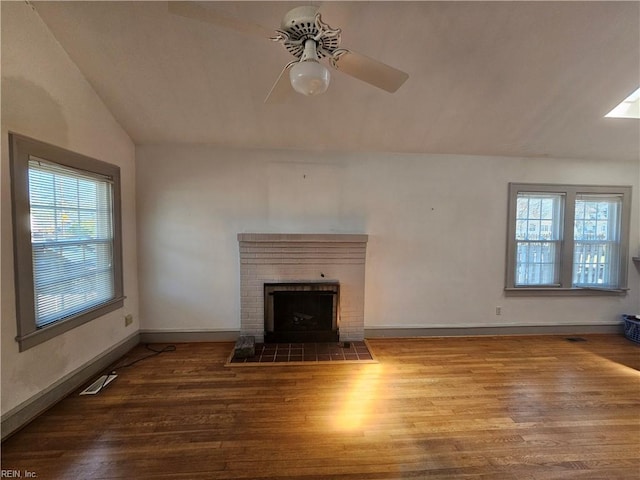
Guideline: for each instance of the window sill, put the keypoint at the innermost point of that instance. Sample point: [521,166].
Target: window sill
[42,334]
[564,292]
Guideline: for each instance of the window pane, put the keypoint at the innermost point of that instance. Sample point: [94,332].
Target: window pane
[536,263]
[72,241]
[548,207]
[596,256]
[538,235]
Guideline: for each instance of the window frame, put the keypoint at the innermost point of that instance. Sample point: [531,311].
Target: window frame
[567,243]
[21,148]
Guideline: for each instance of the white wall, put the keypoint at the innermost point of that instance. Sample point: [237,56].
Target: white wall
[436,226]
[45,97]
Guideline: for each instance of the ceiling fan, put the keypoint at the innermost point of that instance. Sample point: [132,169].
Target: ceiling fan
[305,36]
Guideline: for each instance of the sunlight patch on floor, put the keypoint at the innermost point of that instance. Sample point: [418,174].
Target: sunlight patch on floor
[355,408]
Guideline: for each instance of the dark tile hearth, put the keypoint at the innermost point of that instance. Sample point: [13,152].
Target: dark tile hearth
[275,353]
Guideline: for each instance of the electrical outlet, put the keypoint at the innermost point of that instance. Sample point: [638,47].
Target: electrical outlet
[128,320]
[498,310]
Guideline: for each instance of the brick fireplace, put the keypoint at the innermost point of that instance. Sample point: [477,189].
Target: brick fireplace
[268,258]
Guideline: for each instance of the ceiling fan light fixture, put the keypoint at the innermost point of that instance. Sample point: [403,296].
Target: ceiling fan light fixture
[309,77]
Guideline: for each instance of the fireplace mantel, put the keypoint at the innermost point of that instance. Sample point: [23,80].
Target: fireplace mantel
[303,237]
[302,257]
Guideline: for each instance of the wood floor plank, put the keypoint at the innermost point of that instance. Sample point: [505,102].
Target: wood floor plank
[499,408]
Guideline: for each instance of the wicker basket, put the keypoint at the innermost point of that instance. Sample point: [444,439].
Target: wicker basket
[631,328]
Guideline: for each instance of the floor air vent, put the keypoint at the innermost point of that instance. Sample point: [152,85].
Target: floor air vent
[99,384]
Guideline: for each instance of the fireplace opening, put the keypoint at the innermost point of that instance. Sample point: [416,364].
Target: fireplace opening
[301,312]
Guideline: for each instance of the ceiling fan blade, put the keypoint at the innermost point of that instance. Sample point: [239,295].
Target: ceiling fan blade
[195,11]
[282,88]
[369,70]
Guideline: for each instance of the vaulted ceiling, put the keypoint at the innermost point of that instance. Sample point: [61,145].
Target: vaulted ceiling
[485,78]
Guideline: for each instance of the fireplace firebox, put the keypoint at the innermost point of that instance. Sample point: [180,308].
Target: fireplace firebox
[301,312]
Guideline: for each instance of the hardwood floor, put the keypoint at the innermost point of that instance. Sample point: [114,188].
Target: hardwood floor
[499,408]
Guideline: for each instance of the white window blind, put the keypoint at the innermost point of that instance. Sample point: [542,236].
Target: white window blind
[72,240]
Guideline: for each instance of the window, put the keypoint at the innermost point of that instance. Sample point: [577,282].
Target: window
[568,238]
[67,242]
[538,217]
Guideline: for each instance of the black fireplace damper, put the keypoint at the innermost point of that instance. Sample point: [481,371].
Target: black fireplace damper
[301,312]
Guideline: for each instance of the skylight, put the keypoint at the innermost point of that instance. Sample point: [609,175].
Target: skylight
[628,108]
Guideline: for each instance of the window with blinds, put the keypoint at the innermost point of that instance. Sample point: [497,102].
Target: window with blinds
[568,238]
[67,239]
[72,240]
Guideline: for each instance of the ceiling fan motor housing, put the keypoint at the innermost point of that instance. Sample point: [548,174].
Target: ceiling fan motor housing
[299,15]
[303,23]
